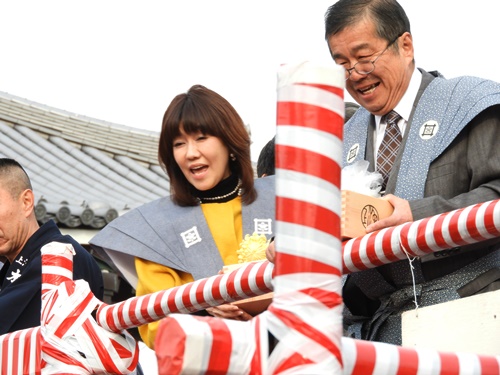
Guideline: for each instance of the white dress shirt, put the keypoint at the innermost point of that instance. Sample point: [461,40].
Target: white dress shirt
[403,108]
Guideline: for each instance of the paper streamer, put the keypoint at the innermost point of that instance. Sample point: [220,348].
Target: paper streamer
[460,227]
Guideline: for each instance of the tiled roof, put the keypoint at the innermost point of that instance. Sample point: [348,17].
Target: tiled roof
[84,171]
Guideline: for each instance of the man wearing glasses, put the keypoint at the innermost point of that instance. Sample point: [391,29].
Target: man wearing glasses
[435,143]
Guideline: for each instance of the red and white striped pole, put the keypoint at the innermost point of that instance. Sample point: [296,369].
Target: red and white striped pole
[305,315]
[247,281]
[306,311]
[20,352]
[67,327]
[375,358]
[460,227]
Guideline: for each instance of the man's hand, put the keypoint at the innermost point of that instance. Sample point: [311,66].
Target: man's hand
[402,214]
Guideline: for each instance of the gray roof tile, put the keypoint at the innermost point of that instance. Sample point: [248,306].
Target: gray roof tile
[85,172]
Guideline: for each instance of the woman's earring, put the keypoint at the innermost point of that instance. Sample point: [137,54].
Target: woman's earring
[232,156]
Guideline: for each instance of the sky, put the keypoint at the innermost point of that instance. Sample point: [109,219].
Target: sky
[123,61]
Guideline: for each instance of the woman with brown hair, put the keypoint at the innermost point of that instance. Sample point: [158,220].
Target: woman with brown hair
[214,202]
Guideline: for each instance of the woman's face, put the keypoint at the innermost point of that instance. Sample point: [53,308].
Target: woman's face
[203,159]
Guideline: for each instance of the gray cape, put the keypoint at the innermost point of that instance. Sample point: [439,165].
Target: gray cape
[177,237]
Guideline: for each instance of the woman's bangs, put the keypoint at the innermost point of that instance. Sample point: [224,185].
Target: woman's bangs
[195,120]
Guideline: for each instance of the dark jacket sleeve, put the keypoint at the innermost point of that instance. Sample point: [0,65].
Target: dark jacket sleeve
[467,172]
[20,302]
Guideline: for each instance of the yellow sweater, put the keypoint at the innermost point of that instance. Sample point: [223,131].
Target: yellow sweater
[225,223]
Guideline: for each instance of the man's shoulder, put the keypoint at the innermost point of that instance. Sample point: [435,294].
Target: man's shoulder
[52,233]
[461,87]
[460,99]
[265,182]
[266,190]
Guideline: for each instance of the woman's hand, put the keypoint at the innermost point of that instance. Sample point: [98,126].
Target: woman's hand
[229,311]
[271,252]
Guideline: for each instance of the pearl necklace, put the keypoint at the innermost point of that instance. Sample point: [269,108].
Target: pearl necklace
[212,199]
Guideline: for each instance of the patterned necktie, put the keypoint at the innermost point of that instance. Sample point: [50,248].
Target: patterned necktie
[389,146]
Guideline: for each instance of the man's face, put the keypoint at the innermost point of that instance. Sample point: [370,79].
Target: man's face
[14,225]
[382,89]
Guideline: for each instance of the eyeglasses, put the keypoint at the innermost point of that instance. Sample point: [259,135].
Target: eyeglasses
[365,67]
